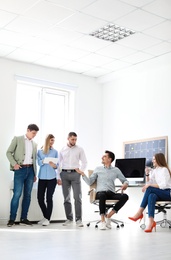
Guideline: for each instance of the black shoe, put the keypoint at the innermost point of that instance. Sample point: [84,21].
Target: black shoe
[25,222]
[11,223]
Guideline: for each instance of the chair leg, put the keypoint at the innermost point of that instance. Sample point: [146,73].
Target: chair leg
[94,221]
[163,223]
[117,222]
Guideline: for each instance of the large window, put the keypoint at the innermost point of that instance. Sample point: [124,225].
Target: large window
[50,107]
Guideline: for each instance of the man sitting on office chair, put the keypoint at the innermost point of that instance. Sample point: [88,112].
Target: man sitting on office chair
[105,177]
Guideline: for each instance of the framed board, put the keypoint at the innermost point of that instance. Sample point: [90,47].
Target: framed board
[146,148]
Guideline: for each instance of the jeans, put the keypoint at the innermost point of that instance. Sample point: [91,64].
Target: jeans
[109,195]
[151,195]
[48,187]
[72,179]
[23,181]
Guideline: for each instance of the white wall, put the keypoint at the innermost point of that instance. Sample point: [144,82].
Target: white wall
[137,104]
[88,123]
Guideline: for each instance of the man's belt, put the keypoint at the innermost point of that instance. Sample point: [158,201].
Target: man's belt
[68,170]
[26,165]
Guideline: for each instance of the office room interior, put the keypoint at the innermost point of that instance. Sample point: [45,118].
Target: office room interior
[126,104]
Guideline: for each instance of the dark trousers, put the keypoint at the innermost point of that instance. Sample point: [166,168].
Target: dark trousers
[48,187]
[102,196]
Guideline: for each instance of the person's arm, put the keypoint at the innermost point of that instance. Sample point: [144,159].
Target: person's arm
[147,173]
[150,179]
[58,170]
[122,178]
[10,154]
[89,180]
[40,158]
[10,151]
[124,186]
[83,160]
[148,185]
[52,164]
[81,172]
[163,179]
[54,154]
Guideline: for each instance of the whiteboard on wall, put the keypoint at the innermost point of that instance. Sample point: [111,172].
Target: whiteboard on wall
[146,148]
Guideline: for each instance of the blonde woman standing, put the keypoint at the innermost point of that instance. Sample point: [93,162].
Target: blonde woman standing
[47,178]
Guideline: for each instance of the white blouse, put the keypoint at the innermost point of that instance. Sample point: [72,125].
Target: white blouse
[161,177]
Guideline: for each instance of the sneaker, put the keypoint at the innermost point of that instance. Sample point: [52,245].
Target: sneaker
[46,222]
[67,222]
[41,221]
[10,223]
[103,226]
[79,223]
[25,222]
[108,223]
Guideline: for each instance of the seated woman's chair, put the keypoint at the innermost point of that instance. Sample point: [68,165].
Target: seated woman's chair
[162,206]
[109,204]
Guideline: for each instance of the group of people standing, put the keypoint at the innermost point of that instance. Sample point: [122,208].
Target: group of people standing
[66,169]
[23,157]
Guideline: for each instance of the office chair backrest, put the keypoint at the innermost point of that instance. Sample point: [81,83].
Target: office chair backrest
[92,188]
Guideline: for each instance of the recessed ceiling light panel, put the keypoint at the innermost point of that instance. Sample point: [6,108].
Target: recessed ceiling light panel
[112,32]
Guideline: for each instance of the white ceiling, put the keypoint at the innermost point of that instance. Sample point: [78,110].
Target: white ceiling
[55,33]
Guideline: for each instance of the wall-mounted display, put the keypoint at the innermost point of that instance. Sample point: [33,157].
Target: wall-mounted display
[146,148]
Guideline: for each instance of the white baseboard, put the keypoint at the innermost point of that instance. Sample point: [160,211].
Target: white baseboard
[3,221]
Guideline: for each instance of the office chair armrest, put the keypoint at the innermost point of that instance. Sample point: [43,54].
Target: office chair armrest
[92,194]
[92,190]
[119,190]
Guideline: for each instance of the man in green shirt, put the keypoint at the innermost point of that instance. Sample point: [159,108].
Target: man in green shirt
[22,154]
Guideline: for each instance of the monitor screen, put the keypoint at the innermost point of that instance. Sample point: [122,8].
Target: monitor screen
[132,168]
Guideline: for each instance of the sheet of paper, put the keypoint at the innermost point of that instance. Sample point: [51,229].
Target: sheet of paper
[50,159]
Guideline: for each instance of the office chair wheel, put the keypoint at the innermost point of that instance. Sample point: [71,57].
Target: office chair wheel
[169,226]
[88,224]
[143,226]
[117,227]
[122,225]
[163,225]
[96,226]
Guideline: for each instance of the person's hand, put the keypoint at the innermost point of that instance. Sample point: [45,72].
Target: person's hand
[17,167]
[59,182]
[145,187]
[53,165]
[147,170]
[80,172]
[124,187]
[35,179]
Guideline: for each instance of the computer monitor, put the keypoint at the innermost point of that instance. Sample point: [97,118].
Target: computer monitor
[132,168]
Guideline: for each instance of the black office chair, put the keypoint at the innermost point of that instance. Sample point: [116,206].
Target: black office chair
[109,204]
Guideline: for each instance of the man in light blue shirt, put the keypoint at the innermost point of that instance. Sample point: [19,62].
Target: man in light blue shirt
[105,177]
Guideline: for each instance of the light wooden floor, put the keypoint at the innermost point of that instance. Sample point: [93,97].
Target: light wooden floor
[72,243]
